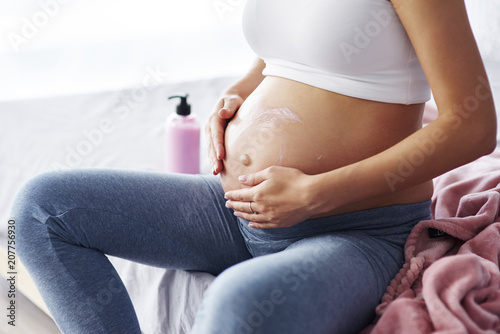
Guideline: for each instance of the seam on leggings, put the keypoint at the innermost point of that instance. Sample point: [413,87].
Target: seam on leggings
[109,211]
[249,248]
[246,239]
[138,222]
[93,209]
[209,187]
[216,198]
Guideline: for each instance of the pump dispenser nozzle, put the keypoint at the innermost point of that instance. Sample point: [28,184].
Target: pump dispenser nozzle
[183,108]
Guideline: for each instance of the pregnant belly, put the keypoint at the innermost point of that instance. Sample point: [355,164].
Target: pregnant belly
[265,136]
[261,137]
[294,125]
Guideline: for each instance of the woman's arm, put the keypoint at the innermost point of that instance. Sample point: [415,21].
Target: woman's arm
[464,130]
[225,109]
[246,85]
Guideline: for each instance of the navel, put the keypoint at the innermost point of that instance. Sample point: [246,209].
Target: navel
[245,159]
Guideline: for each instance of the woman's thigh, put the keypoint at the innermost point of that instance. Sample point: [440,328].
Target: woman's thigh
[167,220]
[323,284]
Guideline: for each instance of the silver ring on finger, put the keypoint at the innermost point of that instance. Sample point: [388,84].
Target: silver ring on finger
[250,207]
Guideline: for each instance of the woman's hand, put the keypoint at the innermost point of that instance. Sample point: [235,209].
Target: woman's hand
[224,110]
[279,196]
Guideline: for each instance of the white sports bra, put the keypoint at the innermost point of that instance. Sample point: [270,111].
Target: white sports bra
[357,48]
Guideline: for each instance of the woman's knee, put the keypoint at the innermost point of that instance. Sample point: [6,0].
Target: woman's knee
[37,194]
[37,200]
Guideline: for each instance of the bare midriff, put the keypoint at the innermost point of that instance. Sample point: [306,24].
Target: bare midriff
[287,123]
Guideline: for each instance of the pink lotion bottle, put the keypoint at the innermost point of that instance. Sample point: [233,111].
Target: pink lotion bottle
[182,139]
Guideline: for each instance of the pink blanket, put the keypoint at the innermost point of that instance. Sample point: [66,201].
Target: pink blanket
[451,283]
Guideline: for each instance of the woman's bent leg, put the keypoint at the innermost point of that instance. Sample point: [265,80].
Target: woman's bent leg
[323,284]
[68,220]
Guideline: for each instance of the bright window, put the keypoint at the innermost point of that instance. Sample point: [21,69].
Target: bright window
[68,46]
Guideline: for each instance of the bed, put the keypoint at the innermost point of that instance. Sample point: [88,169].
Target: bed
[86,131]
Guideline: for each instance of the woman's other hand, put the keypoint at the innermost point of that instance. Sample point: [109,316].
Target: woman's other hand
[278,196]
[224,110]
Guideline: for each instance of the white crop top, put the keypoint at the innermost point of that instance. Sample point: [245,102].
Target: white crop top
[357,48]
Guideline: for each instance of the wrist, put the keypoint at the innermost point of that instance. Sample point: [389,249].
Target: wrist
[319,195]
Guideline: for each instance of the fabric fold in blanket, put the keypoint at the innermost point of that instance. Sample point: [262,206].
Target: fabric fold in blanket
[450,282]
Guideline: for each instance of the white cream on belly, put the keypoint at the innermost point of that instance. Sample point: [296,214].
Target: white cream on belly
[274,118]
[265,126]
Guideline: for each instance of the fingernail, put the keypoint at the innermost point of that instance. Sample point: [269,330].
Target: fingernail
[242,178]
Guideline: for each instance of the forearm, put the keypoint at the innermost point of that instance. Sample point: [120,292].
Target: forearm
[247,84]
[450,141]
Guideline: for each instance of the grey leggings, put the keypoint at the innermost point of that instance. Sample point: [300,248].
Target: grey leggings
[321,276]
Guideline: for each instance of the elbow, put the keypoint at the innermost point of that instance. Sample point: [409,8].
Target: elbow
[490,140]
[490,132]
[485,134]
[475,133]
